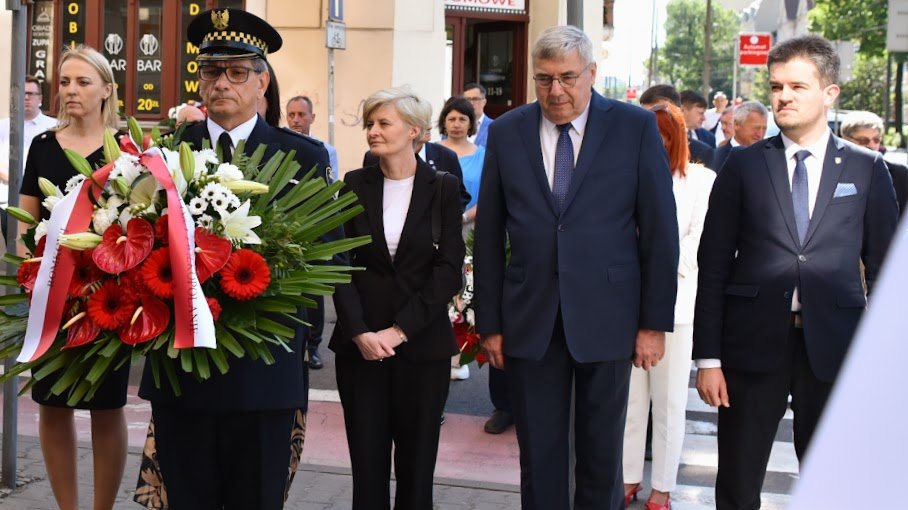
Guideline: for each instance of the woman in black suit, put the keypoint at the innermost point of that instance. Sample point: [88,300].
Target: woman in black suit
[393,338]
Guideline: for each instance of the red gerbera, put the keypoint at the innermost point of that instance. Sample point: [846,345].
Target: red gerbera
[246,275]
[157,275]
[28,271]
[211,253]
[85,274]
[215,307]
[110,306]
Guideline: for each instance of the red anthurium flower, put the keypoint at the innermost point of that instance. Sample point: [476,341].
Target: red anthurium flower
[119,252]
[81,329]
[160,229]
[211,253]
[148,321]
[156,273]
[28,271]
[215,307]
[85,274]
[246,275]
[111,306]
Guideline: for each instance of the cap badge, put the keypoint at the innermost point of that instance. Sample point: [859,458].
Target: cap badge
[220,19]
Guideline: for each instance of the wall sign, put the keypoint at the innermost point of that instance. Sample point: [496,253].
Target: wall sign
[41,46]
[501,6]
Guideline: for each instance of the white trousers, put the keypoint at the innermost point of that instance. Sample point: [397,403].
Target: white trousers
[666,386]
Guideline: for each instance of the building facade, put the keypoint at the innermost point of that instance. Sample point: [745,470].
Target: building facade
[434,46]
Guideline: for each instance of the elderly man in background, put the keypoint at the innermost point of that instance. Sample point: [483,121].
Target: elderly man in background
[720,104]
[749,128]
[866,129]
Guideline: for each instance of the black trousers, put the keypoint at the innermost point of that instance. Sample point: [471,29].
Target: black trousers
[392,404]
[541,397]
[498,390]
[748,427]
[317,321]
[223,460]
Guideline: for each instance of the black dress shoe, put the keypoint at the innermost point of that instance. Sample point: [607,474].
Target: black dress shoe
[498,422]
[315,361]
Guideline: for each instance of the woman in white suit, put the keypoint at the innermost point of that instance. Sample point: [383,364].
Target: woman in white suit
[666,384]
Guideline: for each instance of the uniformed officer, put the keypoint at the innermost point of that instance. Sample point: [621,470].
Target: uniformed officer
[225,443]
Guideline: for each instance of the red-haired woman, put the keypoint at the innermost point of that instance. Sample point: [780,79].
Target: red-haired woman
[666,384]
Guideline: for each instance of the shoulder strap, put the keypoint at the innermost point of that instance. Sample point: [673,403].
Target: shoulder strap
[436,207]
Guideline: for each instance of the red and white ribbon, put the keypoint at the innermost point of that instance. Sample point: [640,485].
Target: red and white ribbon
[193,322]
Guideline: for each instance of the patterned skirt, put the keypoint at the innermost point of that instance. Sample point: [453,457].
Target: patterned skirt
[151,491]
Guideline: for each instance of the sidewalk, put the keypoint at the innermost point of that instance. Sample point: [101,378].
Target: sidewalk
[476,471]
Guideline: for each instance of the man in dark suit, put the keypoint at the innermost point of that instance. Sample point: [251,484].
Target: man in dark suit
[438,157]
[866,130]
[579,186]
[780,292]
[226,442]
[693,106]
[750,127]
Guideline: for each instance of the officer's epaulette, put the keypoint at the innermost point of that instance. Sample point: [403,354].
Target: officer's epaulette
[313,141]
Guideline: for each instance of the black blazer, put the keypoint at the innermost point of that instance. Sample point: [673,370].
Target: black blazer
[700,152]
[899,174]
[249,385]
[706,136]
[414,289]
[438,157]
[751,258]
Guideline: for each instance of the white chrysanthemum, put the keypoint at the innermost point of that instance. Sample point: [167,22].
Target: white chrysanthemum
[197,206]
[470,316]
[40,230]
[73,182]
[213,190]
[227,172]
[126,166]
[50,201]
[233,201]
[205,221]
[202,159]
[101,220]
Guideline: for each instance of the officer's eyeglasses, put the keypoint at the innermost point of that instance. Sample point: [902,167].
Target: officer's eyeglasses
[30,95]
[566,80]
[863,141]
[235,74]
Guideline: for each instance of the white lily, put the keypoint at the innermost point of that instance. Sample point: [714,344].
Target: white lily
[202,159]
[228,172]
[126,166]
[238,225]
[40,230]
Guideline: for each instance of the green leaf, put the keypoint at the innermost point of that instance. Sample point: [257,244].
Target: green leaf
[14,260]
[22,215]
[79,391]
[98,369]
[201,363]
[135,131]
[155,370]
[228,342]
[78,162]
[172,377]
[220,360]
[9,281]
[324,251]
[186,360]
[266,324]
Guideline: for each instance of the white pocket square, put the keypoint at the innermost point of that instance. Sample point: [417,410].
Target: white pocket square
[845,189]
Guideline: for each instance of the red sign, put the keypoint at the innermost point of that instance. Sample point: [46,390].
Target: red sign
[631,93]
[753,49]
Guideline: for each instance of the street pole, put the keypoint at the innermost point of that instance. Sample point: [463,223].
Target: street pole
[16,150]
[734,75]
[331,98]
[575,13]
[886,112]
[707,48]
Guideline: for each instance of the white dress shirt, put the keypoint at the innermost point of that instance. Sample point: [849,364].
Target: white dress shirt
[31,129]
[395,203]
[548,137]
[814,164]
[479,122]
[241,132]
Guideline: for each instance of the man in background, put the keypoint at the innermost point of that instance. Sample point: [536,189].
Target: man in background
[866,129]
[700,152]
[693,106]
[475,93]
[750,127]
[300,116]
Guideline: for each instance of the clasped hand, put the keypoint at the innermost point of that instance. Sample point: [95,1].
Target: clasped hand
[376,346]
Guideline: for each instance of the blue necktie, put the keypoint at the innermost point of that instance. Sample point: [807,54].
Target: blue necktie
[800,195]
[564,164]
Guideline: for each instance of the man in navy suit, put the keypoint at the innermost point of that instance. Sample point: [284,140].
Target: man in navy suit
[579,186]
[700,152]
[693,106]
[791,220]
[750,127]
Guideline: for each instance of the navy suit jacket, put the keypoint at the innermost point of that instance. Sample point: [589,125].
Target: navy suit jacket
[250,385]
[751,259]
[899,174]
[706,136]
[701,153]
[608,260]
[722,154]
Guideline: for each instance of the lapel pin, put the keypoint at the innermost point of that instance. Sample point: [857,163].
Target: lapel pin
[838,161]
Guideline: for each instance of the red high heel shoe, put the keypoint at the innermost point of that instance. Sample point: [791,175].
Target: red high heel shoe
[632,495]
[650,505]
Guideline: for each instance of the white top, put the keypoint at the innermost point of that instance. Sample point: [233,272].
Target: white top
[241,132]
[31,129]
[548,137]
[395,204]
[691,200]
[479,122]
